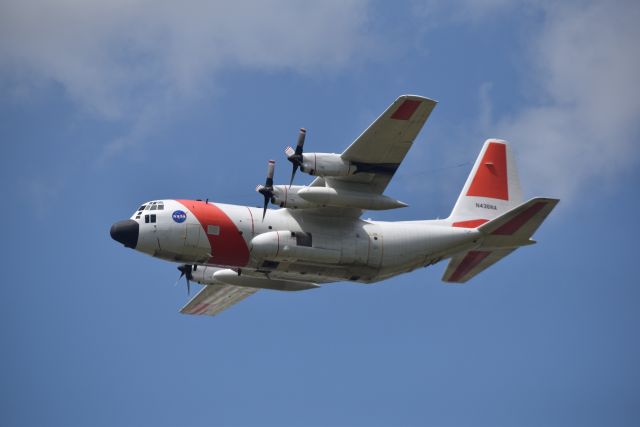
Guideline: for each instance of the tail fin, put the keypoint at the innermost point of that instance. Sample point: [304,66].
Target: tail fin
[492,188]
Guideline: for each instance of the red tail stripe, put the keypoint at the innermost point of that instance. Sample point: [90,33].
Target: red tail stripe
[406,109]
[472,223]
[519,220]
[469,262]
[490,179]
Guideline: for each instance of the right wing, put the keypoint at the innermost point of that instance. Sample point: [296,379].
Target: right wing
[213,299]
[382,147]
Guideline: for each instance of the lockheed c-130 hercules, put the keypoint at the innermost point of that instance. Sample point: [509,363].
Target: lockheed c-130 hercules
[318,236]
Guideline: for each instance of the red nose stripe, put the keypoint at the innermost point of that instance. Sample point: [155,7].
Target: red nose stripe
[491,177]
[200,308]
[406,109]
[228,248]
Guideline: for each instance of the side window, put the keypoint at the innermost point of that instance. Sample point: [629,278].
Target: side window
[154,207]
[160,207]
[146,219]
[153,217]
[213,230]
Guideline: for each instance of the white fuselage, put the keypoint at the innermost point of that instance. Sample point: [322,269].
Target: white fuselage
[289,245]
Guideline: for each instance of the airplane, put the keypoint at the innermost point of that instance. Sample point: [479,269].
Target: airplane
[317,235]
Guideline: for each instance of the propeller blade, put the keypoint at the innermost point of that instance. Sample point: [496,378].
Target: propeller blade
[267,189]
[293,174]
[301,136]
[185,271]
[295,157]
[264,209]
[270,171]
[288,151]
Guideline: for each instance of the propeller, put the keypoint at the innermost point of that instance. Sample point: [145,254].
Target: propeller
[295,156]
[185,271]
[267,189]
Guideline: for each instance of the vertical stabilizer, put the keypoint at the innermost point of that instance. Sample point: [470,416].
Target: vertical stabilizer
[492,188]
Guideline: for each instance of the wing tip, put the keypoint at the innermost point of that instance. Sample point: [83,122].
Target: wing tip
[417,97]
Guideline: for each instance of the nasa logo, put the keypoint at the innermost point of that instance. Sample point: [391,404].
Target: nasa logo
[179,216]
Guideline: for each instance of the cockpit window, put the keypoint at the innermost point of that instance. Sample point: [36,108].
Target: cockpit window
[152,206]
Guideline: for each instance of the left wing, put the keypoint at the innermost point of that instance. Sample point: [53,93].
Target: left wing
[380,149]
[213,299]
[230,288]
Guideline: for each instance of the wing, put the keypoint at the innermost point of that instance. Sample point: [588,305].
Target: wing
[232,288]
[212,299]
[381,148]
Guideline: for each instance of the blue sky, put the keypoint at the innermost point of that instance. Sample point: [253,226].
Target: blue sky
[106,105]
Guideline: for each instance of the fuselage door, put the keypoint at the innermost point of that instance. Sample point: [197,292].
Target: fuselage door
[193,235]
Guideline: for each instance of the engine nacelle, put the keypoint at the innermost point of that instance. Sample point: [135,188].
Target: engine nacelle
[204,274]
[325,196]
[287,197]
[326,164]
[290,246]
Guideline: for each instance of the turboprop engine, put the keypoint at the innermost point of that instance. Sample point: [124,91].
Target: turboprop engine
[326,164]
[287,197]
[303,197]
[320,164]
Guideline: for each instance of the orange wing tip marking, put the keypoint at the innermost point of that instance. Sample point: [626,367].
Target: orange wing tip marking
[490,179]
[472,223]
[470,261]
[200,308]
[514,224]
[406,109]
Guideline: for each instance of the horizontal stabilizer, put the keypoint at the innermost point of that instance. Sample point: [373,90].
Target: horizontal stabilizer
[501,236]
[463,267]
[522,220]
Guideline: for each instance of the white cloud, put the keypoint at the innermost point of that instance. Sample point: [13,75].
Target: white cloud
[583,128]
[131,59]
[580,125]
[436,13]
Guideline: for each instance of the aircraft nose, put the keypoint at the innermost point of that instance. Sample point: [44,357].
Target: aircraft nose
[126,232]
